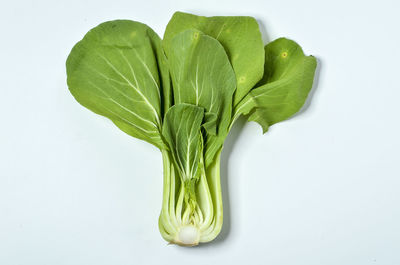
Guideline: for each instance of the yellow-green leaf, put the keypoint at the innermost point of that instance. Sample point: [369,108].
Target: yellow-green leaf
[284,88]
[239,35]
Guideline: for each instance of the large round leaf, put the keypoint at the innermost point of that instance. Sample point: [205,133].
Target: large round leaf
[114,71]
[239,35]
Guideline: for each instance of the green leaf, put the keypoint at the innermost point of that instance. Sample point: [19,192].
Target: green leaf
[114,71]
[211,125]
[181,130]
[239,35]
[202,76]
[285,86]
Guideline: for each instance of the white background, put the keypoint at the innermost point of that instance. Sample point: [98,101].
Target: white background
[320,189]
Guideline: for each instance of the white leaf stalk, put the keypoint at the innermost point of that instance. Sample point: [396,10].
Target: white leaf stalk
[185,220]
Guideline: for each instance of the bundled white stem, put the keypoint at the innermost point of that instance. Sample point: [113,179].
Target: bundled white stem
[178,222]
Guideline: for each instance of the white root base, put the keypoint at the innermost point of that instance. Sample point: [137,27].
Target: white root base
[188,235]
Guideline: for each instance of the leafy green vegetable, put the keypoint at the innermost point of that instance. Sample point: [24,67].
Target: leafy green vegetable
[183,94]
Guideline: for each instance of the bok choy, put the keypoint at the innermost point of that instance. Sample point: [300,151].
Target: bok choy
[183,94]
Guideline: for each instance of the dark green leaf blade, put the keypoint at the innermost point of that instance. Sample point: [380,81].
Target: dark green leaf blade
[114,71]
[181,130]
[203,76]
[285,86]
[239,35]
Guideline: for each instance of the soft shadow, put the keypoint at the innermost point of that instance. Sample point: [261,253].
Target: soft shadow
[264,33]
[229,145]
[311,94]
